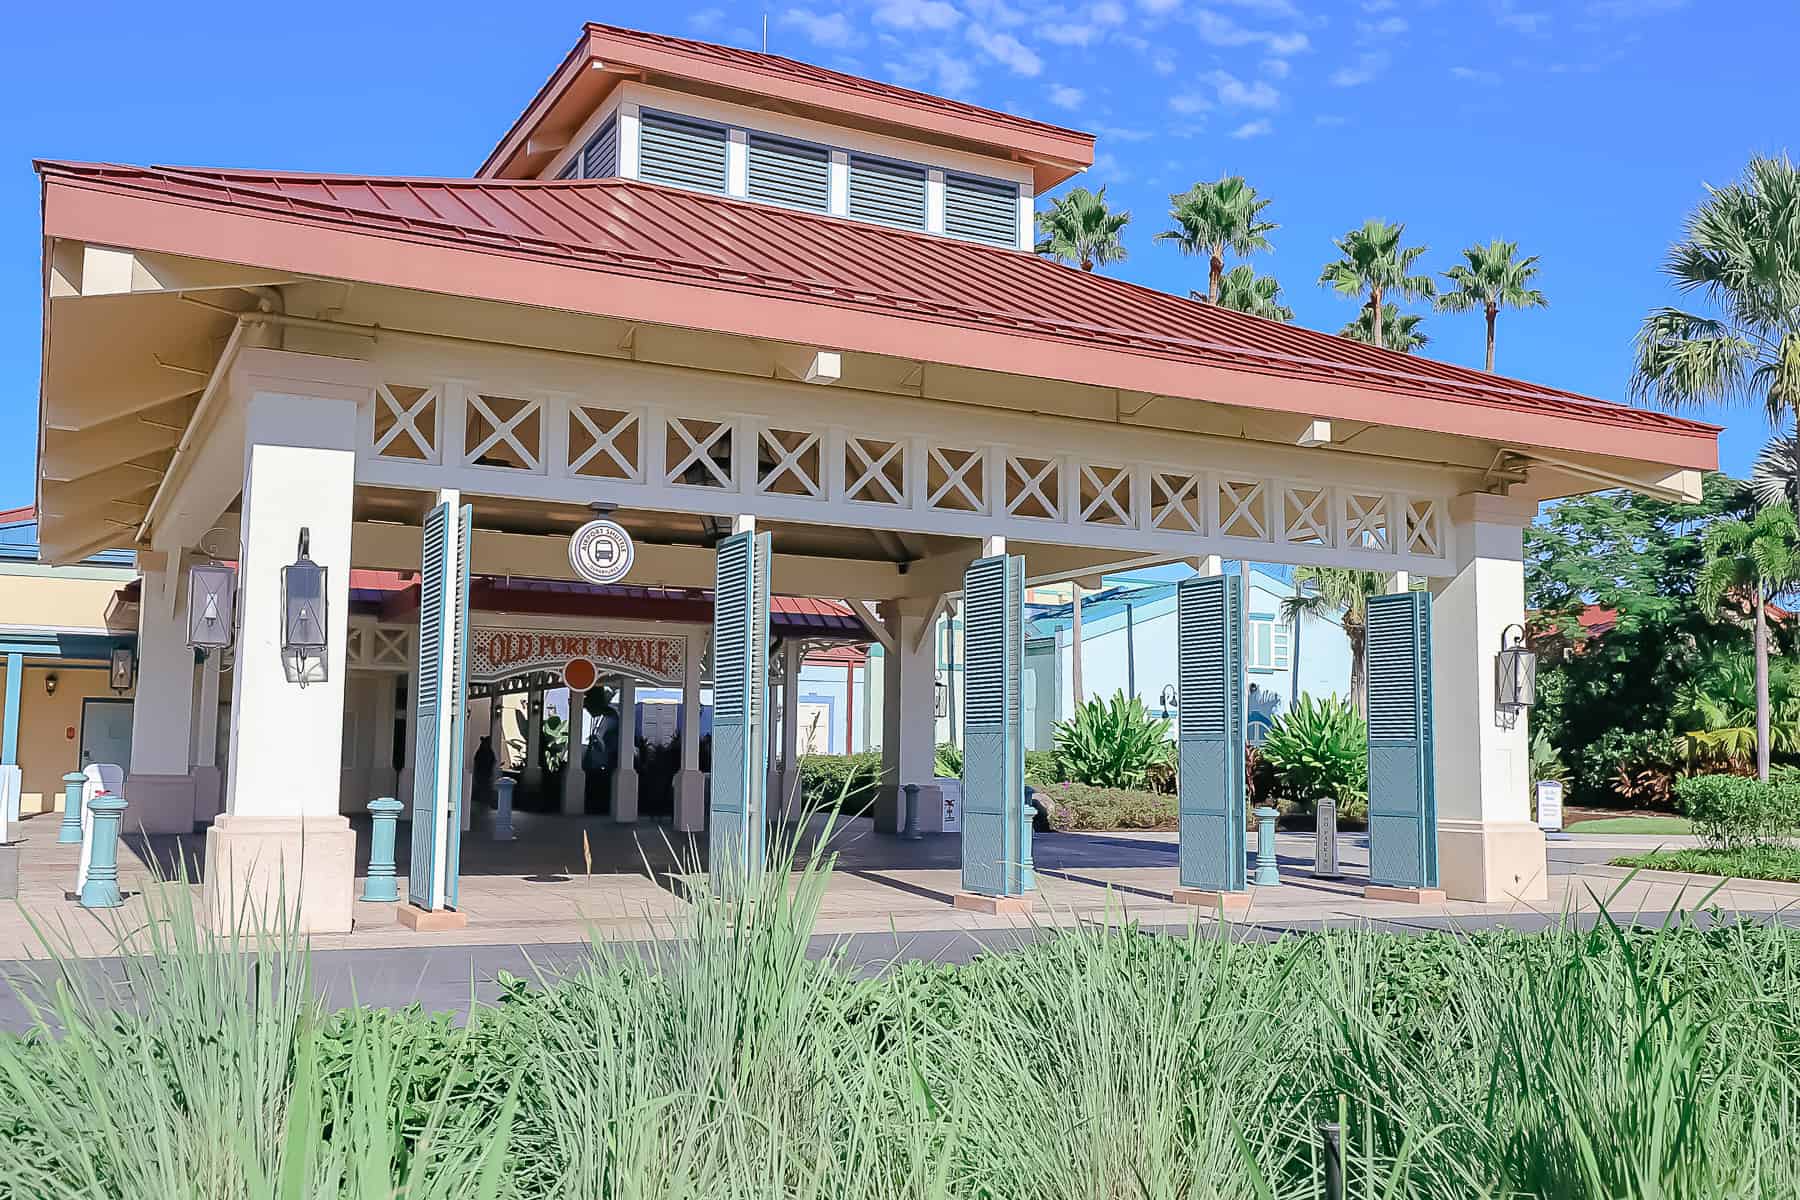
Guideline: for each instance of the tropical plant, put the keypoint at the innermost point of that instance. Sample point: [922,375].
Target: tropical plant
[1546,764]
[840,781]
[1775,476]
[1490,278]
[1399,331]
[1749,562]
[1243,290]
[1730,811]
[1321,593]
[1320,749]
[1112,743]
[1079,228]
[1213,219]
[1375,265]
[1716,711]
[1740,251]
[947,762]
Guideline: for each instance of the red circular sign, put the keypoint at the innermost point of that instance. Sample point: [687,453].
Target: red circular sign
[579,675]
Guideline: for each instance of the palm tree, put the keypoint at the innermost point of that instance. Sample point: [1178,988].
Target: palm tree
[1490,278]
[1775,477]
[1740,249]
[1322,592]
[1749,562]
[1243,290]
[1079,228]
[1400,331]
[1375,264]
[1212,218]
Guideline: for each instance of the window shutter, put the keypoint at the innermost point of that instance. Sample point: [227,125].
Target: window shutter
[996,834]
[794,174]
[437,710]
[674,150]
[981,210]
[571,169]
[740,701]
[1402,793]
[888,193]
[600,157]
[1210,733]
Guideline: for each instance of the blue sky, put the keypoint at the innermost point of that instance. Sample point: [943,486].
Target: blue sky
[1582,130]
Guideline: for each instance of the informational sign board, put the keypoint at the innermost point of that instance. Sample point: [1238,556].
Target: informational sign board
[601,551]
[1325,858]
[1550,805]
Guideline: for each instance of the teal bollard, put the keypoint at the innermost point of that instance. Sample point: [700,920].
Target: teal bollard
[379,887]
[1267,873]
[102,887]
[70,833]
[1027,872]
[503,800]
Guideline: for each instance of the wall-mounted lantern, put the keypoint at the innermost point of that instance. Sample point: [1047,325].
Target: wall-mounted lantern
[212,597]
[122,671]
[1169,699]
[940,705]
[1515,673]
[303,617]
[50,684]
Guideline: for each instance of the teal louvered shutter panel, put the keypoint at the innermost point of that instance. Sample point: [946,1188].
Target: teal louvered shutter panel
[421,877]
[1402,791]
[600,157]
[740,669]
[887,192]
[455,694]
[1210,732]
[996,845]
[981,210]
[674,150]
[794,174]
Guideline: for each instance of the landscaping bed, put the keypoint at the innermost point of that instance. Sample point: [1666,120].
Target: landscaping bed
[1776,864]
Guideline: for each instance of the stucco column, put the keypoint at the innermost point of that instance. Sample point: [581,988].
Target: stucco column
[625,777]
[531,774]
[788,785]
[574,797]
[690,783]
[209,786]
[159,785]
[908,716]
[1488,847]
[281,839]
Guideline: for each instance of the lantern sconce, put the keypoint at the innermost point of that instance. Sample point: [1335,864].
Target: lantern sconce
[303,617]
[212,595]
[1515,675]
[122,670]
[50,684]
[1170,698]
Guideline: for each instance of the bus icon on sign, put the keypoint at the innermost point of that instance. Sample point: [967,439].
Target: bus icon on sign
[601,551]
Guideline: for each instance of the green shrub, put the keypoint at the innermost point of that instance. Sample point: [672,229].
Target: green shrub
[1733,811]
[1041,768]
[845,781]
[1320,748]
[1636,768]
[948,762]
[1112,743]
[1074,806]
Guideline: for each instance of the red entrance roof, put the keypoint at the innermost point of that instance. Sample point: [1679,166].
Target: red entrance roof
[703,261]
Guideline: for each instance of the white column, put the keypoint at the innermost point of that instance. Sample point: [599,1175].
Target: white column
[625,778]
[690,784]
[1488,847]
[531,775]
[159,785]
[574,797]
[282,839]
[789,785]
[908,720]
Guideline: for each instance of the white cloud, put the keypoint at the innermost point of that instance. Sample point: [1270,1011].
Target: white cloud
[1287,43]
[1631,10]
[948,73]
[1475,75]
[1159,6]
[1217,29]
[916,14]
[995,12]
[1252,129]
[1070,34]
[1509,14]
[1379,6]
[1386,27]
[1108,12]
[1066,97]
[1163,64]
[707,20]
[1276,68]
[823,29]
[1368,67]
[1189,103]
[1007,50]
[1268,8]
[1116,133]
[1235,93]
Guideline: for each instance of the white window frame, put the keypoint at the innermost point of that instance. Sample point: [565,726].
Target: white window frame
[1268,644]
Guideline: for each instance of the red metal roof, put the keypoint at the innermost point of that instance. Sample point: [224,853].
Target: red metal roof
[730,257]
[575,89]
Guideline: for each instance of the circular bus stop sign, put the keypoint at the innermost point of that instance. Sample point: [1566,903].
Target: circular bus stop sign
[601,551]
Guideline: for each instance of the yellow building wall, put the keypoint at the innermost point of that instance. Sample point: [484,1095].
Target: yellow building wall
[56,602]
[50,729]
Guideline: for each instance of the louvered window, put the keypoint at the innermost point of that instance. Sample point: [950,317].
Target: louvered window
[795,174]
[887,192]
[684,153]
[571,169]
[600,157]
[981,210]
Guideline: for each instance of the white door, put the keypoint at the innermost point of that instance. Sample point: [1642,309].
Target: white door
[106,732]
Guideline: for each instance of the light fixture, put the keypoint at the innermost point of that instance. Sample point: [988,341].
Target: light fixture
[1515,674]
[1170,698]
[123,669]
[941,699]
[212,594]
[303,617]
[50,684]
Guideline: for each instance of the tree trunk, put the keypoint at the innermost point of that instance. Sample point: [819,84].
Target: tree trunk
[1075,643]
[1762,687]
[1375,317]
[1215,278]
[1358,689]
[1492,312]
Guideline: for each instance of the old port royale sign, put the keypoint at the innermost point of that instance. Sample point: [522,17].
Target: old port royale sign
[496,655]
